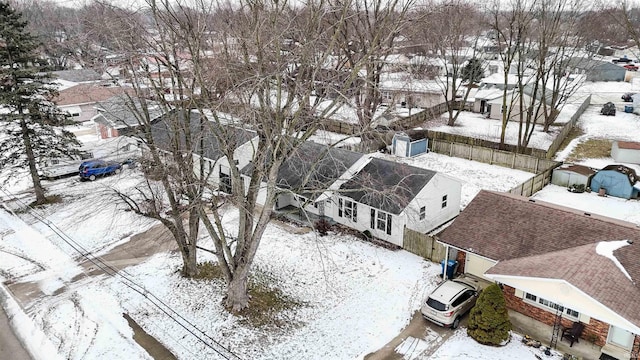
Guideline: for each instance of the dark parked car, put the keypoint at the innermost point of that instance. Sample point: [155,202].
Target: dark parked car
[628,97]
[94,168]
[608,109]
[622,60]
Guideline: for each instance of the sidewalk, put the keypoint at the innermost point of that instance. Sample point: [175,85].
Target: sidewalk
[10,346]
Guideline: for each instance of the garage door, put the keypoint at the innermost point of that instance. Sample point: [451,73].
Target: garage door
[476,265]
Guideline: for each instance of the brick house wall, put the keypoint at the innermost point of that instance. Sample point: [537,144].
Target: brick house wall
[595,331]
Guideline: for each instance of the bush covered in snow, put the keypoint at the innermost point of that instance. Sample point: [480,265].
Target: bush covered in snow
[489,322]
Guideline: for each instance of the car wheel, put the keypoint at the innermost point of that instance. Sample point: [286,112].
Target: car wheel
[92,177]
[456,322]
[117,171]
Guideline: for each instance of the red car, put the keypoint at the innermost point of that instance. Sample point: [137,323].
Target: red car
[631,67]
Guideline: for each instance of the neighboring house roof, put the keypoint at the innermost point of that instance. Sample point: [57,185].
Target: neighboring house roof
[386,185]
[629,172]
[121,111]
[503,226]
[489,94]
[86,94]
[592,64]
[407,83]
[79,75]
[214,137]
[628,145]
[583,267]
[578,169]
[313,167]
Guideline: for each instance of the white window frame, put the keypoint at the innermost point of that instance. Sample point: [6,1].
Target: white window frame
[348,209]
[423,213]
[445,199]
[550,306]
[381,221]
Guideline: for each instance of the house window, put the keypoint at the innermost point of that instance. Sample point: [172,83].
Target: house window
[444,201]
[381,221]
[423,212]
[551,306]
[348,209]
[225,183]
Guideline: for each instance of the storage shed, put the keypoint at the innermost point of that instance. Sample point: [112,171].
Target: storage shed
[404,145]
[617,180]
[626,152]
[570,174]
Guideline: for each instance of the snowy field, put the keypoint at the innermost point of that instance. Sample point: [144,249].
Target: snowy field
[476,125]
[356,297]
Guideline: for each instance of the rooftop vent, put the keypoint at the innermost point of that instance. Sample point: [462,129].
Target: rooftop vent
[531,200]
[630,242]
[588,214]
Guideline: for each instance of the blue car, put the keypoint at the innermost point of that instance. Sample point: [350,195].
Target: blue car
[94,168]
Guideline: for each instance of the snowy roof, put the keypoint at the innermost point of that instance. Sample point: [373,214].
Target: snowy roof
[78,75]
[121,111]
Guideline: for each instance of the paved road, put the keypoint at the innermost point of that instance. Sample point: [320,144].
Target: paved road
[10,346]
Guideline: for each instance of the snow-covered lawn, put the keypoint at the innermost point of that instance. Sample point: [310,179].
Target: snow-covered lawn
[355,297]
[476,125]
[613,207]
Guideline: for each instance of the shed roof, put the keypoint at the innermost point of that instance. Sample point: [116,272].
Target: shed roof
[629,145]
[629,172]
[578,169]
[387,185]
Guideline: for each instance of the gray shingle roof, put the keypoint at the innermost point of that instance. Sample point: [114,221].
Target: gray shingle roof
[313,167]
[121,111]
[387,185]
[215,138]
[79,75]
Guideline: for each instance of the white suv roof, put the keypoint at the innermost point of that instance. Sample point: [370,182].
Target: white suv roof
[449,289]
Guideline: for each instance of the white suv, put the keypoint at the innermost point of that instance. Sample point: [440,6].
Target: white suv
[449,301]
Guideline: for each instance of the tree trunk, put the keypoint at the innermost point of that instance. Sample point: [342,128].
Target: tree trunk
[190,263]
[31,159]
[237,291]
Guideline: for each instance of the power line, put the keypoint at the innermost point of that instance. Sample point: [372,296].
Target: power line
[108,269]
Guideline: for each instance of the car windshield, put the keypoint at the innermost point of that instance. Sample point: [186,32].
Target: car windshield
[435,304]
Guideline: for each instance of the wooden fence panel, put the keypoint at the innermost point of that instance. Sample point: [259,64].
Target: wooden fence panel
[418,243]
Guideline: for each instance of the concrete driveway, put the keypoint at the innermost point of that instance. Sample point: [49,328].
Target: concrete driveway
[418,340]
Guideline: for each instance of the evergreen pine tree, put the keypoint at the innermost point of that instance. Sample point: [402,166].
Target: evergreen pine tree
[473,72]
[29,121]
[489,322]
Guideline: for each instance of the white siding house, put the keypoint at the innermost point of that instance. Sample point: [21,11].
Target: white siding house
[385,196]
